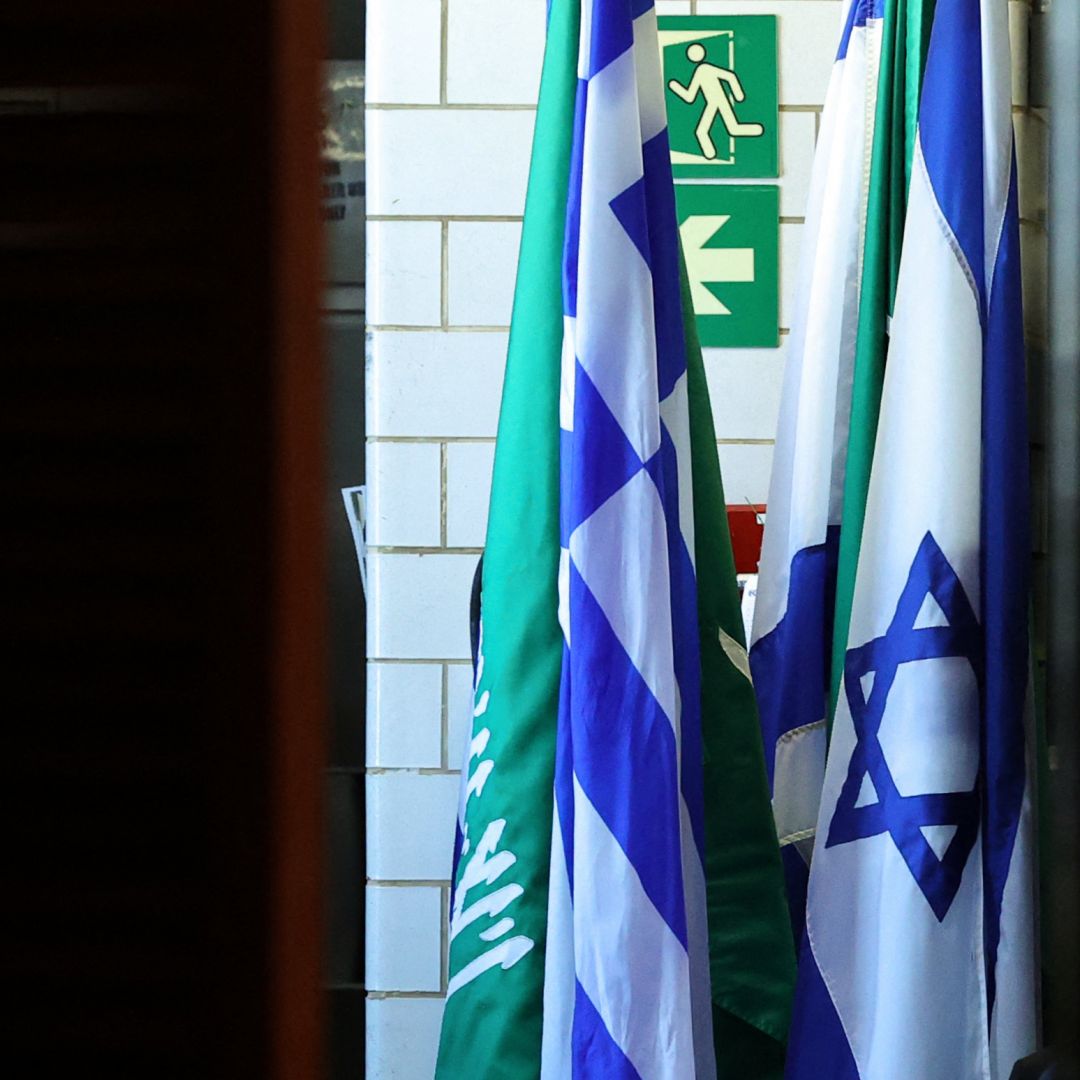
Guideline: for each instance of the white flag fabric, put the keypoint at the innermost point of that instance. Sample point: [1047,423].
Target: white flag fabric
[919,955]
[791,644]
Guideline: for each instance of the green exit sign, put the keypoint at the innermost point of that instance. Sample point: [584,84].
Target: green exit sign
[720,75]
[730,239]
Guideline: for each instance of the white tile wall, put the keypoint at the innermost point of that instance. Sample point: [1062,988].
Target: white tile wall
[404,68]
[404,484]
[468,485]
[434,385]
[447,161]
[745,469]
[410,918]
[418,606]
[404,716]
[798,133]
[482,270]
[404,273]
[494,51]
[790,246]
[410,829]
[403,1037]
[459,708]
[744,389]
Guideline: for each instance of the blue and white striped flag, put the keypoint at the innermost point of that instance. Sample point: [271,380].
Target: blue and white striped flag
[791,641]
[627,976]
[919,955]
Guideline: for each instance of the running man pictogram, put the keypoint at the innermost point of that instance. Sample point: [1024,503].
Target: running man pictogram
[708,81]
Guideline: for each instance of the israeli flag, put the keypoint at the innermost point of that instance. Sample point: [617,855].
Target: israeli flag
[791,642]
[626,978]
[918,959]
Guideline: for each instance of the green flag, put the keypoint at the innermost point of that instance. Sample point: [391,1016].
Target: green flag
[492,1023]
[751,954]
[905,36]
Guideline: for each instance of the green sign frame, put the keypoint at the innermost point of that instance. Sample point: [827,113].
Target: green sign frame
[720,78]
[731,240]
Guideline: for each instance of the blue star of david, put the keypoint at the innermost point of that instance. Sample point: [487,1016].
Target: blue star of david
[902,816]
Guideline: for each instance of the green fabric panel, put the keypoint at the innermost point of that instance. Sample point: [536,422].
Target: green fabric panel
[743,1051]
[752,956]
[492,1025]
[899,81]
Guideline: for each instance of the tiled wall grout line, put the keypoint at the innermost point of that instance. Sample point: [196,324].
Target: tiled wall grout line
[408,995]
[410,329]
[442,494]
[444,275]
[381,770]
[445,217]
[430,439]
[444,49]
[427,661]
[444,732]
[452,106]
[410,883]
[444,939]
[397,549]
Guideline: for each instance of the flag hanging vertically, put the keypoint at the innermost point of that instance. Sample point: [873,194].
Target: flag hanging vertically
[641,853]
[665,951]
[793,618]
[492,1024]
[904,39]
[919,952]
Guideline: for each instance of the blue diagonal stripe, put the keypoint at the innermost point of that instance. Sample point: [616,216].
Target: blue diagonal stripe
[630,212]
[607,460]
[664,249]
[612,32]
[625,757]
[663,467]
[596,1054]
[564,770]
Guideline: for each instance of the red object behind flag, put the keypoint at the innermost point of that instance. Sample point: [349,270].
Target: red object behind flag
[747,525]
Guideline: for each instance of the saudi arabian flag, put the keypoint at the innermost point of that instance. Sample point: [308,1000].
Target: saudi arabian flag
[904,41]
[492,1023]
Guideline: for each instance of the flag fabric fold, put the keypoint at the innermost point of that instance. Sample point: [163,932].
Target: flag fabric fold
[919,952]
[612,676]
[791,640]
[905,35]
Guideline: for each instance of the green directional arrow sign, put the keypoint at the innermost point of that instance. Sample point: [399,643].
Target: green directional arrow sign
[720,75]
[730,236]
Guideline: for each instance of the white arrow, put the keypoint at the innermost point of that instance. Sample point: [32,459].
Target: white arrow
[712,264]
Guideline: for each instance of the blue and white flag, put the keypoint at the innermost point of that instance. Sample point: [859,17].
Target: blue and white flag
[627,975]
[791,641]
[919,954]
